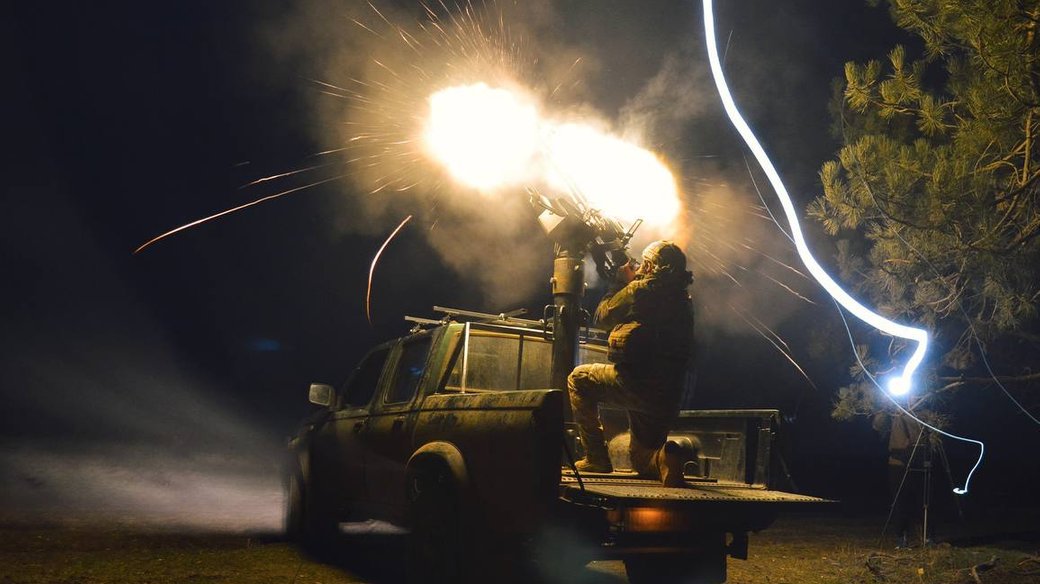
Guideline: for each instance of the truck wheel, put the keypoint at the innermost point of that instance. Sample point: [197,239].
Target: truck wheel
[306,521]
[294,511]
[435,543]
[703,568]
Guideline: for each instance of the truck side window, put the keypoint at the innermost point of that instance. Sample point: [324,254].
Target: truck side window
[362,385]
[536,365]
[492,362]
[592,354]
[409,371]
[504,362]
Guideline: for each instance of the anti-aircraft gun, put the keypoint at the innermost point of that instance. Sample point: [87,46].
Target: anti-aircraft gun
[576,230]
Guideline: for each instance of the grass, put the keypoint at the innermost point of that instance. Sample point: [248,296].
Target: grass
[797,550]
[808,550]
[92,555]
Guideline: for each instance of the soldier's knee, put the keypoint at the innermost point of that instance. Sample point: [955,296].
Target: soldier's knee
[578,379]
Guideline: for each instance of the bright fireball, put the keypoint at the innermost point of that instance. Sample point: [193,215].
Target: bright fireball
[491,138]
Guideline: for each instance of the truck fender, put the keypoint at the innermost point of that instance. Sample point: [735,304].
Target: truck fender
[440,452]
[298,460]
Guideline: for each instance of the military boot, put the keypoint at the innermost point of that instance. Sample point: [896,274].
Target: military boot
[669,460]
[596,459]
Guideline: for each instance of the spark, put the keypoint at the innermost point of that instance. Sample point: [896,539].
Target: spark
[560,84]
[285,174]
[773,339]
[384,103]
[765,206]
[230,211]
[460,107]
[780,263]
[372,269]
[789,289]
[362,25]
[897,386]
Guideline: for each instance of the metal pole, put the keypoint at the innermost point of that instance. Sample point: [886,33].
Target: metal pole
[568,288]
[927,488]
[949,477]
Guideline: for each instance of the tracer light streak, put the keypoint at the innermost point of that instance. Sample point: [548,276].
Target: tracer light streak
[896,386]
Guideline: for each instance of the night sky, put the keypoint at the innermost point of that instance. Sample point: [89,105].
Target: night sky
[191,360]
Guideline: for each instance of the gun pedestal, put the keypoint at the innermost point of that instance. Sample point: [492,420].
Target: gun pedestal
[568,288]
[575,230]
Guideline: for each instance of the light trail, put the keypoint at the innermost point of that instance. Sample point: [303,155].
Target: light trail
[285,174]
[908,413]
[897,386]
[372,268]
[964,313]
[230,211]
[773,339]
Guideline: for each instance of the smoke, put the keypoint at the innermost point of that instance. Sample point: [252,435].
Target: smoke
[101,417]
[748,277]
[679,92]
[377,67]
[382,63]
[141,486]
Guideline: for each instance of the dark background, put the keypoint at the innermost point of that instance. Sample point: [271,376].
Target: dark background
[191,359]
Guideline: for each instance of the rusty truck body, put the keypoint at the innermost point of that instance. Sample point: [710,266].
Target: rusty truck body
[454,435]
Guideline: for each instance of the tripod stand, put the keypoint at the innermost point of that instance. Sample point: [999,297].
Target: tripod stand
[920,469]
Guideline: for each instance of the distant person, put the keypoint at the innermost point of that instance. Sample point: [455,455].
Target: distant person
[650,317]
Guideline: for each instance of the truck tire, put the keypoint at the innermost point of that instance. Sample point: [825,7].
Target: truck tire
[678,568]
[435,544]
[294,512]
[305,521]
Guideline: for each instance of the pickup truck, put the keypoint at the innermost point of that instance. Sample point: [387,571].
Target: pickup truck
[452,435]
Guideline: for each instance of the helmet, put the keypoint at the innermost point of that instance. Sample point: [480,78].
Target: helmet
[663,256]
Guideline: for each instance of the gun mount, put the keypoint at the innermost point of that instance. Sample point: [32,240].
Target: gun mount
[576,229]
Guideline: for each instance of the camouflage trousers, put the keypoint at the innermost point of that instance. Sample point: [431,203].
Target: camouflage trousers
[652,403]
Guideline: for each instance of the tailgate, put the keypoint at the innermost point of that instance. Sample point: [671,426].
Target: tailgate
[630,508]
[734,464]
[629,490]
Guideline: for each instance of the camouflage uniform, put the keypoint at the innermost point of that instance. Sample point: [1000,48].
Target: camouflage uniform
[651,331]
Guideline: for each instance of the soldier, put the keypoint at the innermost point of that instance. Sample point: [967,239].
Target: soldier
[651,333]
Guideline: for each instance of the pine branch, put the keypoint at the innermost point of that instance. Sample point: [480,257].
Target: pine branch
[1001,378]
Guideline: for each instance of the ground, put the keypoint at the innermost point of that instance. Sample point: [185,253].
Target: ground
[798,549]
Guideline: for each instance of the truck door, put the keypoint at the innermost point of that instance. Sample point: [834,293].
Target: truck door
[388,437]
[339,459]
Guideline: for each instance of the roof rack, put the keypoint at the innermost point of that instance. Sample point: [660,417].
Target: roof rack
[458,314]
[502,318]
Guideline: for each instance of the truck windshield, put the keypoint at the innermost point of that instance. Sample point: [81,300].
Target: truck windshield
[494,361]
[361,386]
[410,367]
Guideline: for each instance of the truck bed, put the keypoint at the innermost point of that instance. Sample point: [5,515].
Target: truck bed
[626,487]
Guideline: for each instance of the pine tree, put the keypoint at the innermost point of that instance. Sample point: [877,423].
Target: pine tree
[935,192]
